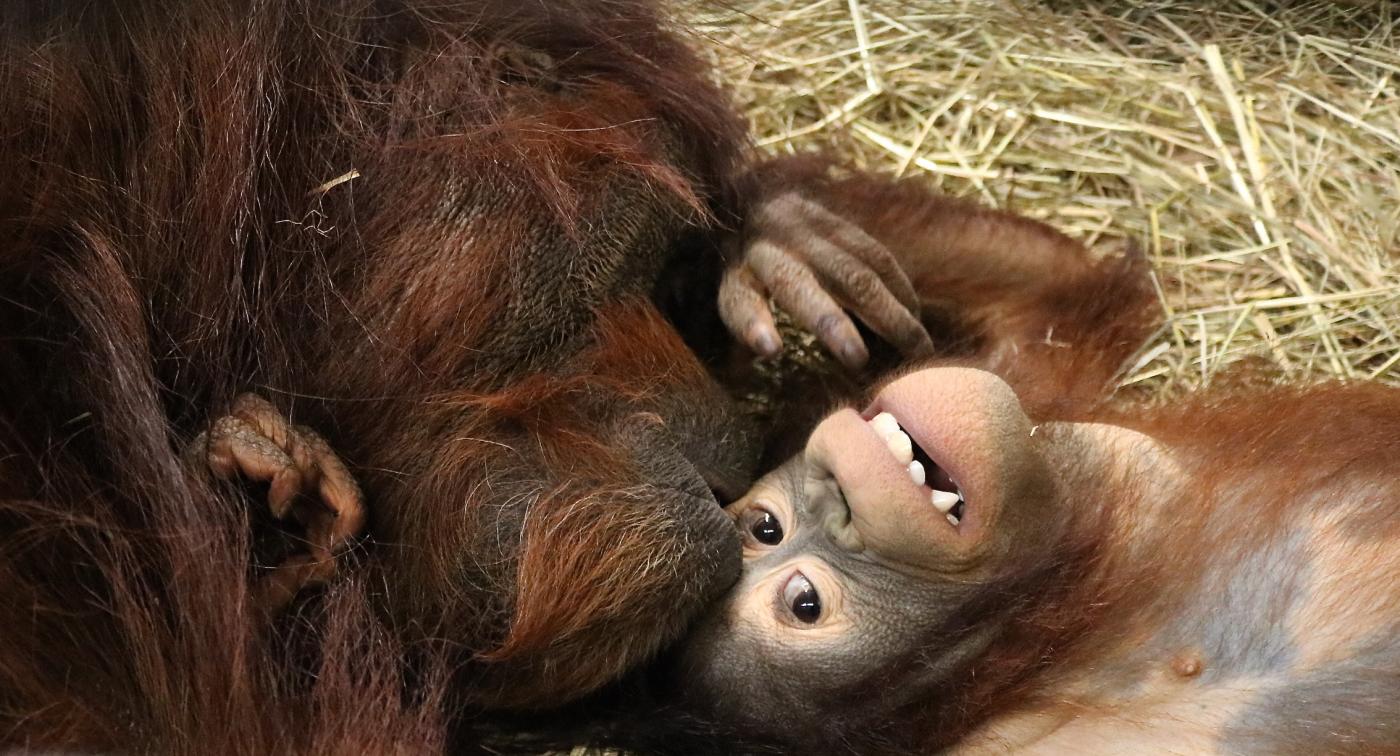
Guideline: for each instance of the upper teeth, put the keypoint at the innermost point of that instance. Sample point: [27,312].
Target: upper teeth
[900,445]
[916,472]
[884,424]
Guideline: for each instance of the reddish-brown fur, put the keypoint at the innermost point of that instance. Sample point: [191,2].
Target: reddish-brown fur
[998,291]
[1232,596]
[430,230]
[172,233]
[1110,610]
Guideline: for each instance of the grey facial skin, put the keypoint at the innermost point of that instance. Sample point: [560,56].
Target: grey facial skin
[849,564]
[1208,578]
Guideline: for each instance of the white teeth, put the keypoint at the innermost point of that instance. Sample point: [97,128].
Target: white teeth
[884,424]
[916,473]
[901,447]
[899,444]
[952,519]
[945,500]
[896,439]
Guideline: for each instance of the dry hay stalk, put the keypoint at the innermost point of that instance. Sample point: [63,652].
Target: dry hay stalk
[1251,147]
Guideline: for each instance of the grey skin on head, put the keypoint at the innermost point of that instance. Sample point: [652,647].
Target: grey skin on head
[940,571]
[878,536]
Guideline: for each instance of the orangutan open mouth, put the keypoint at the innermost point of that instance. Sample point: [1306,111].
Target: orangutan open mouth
[943,490]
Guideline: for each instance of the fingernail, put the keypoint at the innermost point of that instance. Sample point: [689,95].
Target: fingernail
[766,342]
[854,354]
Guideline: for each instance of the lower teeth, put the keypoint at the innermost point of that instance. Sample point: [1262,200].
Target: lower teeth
[955,514]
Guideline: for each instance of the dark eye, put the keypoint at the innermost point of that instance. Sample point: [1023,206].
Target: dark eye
[765,528]
[801,597]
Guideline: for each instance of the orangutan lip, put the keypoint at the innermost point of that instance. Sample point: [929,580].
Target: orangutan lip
[944,492]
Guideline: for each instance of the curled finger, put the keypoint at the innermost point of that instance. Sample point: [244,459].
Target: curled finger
[236,447]
[866,294]
[743,306]
[853,239]
[339,493]
[797,290]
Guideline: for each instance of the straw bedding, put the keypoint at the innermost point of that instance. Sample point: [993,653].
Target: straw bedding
[1250,148]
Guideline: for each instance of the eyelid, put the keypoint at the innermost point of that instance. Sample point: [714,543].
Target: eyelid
[789,589]
[747,511]
[797,584]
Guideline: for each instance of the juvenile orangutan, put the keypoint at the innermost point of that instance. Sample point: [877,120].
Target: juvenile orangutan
[992,556]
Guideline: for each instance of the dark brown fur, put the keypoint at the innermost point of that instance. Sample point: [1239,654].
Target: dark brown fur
[467,317]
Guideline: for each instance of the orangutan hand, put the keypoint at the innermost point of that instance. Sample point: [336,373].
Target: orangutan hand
[816,266]
[307,482]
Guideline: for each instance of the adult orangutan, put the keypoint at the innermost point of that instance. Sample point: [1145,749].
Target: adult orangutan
[990,555]
[447,236]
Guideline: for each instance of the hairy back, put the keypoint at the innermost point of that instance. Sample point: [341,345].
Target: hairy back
[432,231]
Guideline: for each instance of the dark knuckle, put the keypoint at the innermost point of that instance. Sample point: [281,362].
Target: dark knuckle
[865,284]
